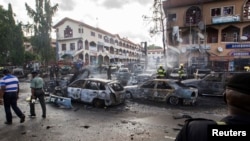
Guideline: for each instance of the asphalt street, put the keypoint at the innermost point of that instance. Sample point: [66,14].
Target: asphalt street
[133,120]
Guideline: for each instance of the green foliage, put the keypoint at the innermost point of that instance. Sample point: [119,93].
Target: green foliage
[150,47]
[42,17]
[30,56]
[11,38]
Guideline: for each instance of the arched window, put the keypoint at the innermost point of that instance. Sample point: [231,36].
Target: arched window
[246,10]
[79,45]
[68,32]
[193,16]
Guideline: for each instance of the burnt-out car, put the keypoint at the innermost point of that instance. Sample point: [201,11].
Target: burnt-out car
[123,75]
[212,84]
[164,90]
[97,91]
[140,78]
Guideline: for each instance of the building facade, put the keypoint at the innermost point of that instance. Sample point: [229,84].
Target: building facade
[211,34]
[93,45]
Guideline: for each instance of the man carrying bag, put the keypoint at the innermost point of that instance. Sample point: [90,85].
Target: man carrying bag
[36,86]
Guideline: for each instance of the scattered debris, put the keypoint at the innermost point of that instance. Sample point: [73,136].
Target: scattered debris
[182,116]
[85,126]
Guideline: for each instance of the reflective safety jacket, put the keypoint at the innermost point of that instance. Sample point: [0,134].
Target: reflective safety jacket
[161,72]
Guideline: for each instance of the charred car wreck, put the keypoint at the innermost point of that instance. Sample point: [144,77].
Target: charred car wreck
[95,91]
[164,90]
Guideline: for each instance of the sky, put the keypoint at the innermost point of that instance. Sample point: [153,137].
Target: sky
[123,17]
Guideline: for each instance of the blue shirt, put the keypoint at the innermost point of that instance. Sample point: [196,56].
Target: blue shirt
[10,82]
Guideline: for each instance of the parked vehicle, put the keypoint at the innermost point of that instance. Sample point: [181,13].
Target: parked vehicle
[140,78]
[164,90]
[123,75]
[212,84]
[201,73]
[96,91]
[18,72]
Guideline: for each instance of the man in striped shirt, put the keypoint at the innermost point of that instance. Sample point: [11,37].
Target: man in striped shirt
[10,89]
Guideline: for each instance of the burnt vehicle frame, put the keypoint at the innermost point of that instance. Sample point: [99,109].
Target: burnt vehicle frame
[163,90]
[96,91]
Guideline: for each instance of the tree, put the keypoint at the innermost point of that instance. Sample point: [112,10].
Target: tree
[42,17]
[11,46]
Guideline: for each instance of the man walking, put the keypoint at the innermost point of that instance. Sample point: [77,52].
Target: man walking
[10,89]
[36,86]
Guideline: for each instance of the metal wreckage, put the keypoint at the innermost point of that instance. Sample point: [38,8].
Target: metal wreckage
[79,87]
[54,89]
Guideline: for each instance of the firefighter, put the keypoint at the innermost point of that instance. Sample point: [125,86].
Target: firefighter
[181,72]
[161,73]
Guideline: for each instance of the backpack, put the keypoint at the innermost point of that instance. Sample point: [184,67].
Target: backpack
[183,135]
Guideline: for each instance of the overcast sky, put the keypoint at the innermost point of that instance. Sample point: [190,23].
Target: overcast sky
[123,17]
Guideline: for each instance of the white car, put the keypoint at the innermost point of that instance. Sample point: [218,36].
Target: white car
[96,91]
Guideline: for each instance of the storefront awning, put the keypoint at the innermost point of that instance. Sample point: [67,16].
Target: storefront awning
[221,58]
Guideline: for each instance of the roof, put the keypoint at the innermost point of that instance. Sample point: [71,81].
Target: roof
[93,28]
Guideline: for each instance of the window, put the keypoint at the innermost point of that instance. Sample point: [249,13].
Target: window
[63,47]
[148,84]
[72,46]
[92,33]
[99,36]
[78,84]
[193,15]
[246,10]
[228,10]
[163,85]
[215,12]
[68,32]
[116,87]
[80,30]
[171,17]
[79,45]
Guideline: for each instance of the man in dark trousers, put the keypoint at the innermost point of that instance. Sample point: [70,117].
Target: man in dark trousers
[10,89]
[237,97]
[109,73]
[36,86]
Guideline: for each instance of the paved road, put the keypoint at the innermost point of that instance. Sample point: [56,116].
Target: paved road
[132,121]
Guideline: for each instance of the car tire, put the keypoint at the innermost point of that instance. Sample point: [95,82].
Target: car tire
[129,95]
[173,100]
[98,103]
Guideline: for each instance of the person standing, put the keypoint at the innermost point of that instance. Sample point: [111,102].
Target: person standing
[36,86]
[109,73]
[237,98]
[10,89]
[181,73]
[161,73]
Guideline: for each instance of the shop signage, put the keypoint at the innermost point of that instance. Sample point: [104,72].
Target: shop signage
[241,54]
[235,46]
[225,19]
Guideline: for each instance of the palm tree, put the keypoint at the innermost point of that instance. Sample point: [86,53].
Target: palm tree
[42,17]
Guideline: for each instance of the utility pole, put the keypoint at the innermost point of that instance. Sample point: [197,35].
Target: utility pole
[158,18]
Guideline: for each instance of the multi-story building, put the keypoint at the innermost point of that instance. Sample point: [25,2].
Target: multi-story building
[210,33]
[93,45]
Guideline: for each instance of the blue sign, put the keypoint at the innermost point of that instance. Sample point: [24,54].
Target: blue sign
[225,19]
[235,46]
[241,54]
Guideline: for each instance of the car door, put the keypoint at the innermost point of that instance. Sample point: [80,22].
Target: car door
[90,91]
[162,91]
[212,84]
[75,88]
[147,89]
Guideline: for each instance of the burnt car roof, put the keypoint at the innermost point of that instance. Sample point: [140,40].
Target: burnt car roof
[98,79]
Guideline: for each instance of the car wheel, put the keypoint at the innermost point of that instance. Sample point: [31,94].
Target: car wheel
[129,95]
[173,100]
[98,103]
